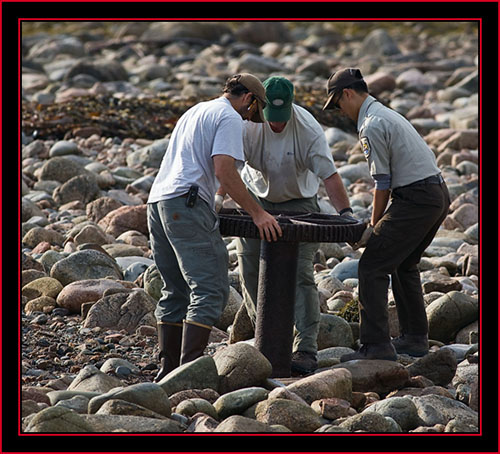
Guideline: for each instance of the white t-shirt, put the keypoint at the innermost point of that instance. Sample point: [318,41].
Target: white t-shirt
[286,165]
[205,130]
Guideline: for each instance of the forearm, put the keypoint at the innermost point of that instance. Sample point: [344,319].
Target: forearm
[380,200]
[231,183]
[336,192]
[230,180]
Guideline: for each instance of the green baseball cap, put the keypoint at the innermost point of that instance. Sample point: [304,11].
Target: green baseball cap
[279,97]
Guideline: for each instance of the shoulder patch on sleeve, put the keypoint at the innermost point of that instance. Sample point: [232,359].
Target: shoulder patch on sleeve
[365,146]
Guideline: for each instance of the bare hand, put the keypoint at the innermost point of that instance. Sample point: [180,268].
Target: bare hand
[364,238]
[268,226]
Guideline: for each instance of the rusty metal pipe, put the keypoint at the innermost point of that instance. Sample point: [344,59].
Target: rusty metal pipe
[276,304]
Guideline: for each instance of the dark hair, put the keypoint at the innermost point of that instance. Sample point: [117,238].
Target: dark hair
[233,86]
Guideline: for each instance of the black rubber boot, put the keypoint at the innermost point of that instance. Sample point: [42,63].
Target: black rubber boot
[194,340]
[372,351]
[169,342]
[412,344]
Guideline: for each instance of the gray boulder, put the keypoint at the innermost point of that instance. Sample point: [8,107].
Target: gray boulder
[439,367]
[329,383]
[198,374]
[63,147]
[161,31]
[401,409]
[36,235]
[58,419]
[86,264]
[370,422]
[147,395]
[378,376]
[334,331]
[122,407]
[153,282]
[91,379]
[241,424]
[81,187]
[296,416]
[60,169]
[104,70]
[434,409]
[450,313]
[378,42]
[236,402]
[149,156]
[132,424]
[241,365]
[190,407]
[122,310]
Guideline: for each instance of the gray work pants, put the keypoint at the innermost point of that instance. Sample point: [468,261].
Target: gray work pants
[192,260]
[307,311]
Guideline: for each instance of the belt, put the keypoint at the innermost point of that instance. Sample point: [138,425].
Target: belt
[434,179]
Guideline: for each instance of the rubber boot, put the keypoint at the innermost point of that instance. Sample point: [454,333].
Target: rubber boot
[169,342]
[194,340]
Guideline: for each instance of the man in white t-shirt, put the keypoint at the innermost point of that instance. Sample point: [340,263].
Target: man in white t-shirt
[285,161]
[185,240]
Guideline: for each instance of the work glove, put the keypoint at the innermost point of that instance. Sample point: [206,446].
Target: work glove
[219,200]
[363,241]
[349,215]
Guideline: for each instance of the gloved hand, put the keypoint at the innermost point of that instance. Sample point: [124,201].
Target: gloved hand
[363,241]
[219,199]
[349,215]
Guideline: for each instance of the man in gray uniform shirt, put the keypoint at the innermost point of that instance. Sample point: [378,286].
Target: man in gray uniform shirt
[404,169]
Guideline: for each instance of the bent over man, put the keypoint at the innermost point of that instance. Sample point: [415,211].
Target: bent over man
[404,169]
[187,247]
[286,158]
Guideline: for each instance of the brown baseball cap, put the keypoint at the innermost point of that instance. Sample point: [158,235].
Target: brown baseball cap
[255,86]
[340,80]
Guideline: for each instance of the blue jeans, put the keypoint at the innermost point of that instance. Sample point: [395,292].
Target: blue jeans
[192,260]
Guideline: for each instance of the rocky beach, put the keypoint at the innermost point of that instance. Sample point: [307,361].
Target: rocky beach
[99,102]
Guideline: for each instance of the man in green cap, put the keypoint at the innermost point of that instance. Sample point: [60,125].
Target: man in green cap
[286,158]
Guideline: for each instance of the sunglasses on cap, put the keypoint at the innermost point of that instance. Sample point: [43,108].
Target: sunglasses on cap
[253,103]
[335,104]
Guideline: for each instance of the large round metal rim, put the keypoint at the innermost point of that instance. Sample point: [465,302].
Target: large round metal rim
[296,226]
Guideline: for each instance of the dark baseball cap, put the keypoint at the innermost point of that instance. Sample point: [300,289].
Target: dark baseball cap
[279,97]
[338,81]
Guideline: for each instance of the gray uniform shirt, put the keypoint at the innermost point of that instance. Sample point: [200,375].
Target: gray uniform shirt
[392,146]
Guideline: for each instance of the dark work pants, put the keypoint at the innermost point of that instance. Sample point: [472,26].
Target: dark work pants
[398,241]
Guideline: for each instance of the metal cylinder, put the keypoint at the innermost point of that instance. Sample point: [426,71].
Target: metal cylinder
[276,304]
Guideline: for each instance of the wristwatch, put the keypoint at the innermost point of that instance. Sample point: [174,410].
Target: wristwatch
[345,210]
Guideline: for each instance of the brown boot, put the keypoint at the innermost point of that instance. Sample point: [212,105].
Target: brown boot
[194,340]
[169,341]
